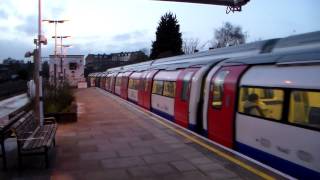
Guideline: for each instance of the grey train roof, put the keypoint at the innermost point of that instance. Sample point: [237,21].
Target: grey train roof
[303,56]
[266,51]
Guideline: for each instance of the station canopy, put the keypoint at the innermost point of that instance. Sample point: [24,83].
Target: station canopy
[232,5]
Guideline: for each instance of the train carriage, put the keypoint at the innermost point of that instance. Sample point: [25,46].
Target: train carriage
[283,131]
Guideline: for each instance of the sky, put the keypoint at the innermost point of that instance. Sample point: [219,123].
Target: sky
[109,26]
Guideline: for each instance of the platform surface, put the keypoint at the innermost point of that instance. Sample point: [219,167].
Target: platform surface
[113,140]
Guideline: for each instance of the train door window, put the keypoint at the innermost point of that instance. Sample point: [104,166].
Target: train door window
[157,87]
[305,108]
[185,86]
[136,84]
[169,88]
[142,84]
[130,83]
[184,93]
[217,89]
[251,103]
[146,85]
[118,81]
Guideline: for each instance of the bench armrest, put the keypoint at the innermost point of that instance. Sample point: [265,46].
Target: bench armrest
[49,120]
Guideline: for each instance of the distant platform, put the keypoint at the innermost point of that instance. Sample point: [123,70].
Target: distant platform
[12,104]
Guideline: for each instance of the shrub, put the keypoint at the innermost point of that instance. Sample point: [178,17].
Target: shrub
[58,99]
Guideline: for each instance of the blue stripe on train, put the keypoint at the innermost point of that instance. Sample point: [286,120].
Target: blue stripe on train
[192,127]
[163,114]
[280,164]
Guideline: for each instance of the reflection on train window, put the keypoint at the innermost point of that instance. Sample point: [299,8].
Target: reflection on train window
[169,88]
[217,89]
[305,108]
[157,87]
[251,103]
[184,93]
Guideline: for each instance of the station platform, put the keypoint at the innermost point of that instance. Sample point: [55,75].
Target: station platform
[113,139]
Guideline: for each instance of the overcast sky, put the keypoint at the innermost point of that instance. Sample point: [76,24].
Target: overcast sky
[105,26]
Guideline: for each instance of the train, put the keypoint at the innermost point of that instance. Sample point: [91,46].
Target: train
[261,99]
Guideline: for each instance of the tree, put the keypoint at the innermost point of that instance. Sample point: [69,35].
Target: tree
[190,46]
[228,35]
[168,38]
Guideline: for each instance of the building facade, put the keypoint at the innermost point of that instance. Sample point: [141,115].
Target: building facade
[68,68]
[102,62]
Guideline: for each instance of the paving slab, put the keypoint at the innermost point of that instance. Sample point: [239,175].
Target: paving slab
[111,140]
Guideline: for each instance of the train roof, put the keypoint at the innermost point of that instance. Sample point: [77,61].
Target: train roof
[281,50]
[281,58]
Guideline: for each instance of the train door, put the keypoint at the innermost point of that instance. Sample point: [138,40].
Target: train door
[142,88]
[181,105]
[124,85]
[221,106]
[148,88]
[113,82]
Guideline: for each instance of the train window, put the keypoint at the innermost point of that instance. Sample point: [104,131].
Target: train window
[130,83]
[157,87]
[184,93]
[305,108]
[169,88]
[217,89]
[251,103]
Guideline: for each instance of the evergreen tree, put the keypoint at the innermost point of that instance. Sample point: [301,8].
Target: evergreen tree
[168,38]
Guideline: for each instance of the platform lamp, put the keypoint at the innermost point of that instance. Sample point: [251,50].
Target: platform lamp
[55,22]
[61,57]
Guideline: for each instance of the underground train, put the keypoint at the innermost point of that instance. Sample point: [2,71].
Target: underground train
[261,99]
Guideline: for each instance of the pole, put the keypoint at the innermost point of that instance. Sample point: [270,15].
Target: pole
[55,53]
[61,65]
[38,74]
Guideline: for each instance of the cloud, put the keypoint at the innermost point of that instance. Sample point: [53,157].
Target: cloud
[29,26]
[129,36]
[3,14]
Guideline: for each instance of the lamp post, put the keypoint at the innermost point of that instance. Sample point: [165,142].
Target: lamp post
[55,22]
[61,60]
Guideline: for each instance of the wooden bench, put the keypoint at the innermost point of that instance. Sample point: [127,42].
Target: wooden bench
[32,139]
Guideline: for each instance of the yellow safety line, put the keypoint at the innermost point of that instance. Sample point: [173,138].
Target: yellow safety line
[220,153]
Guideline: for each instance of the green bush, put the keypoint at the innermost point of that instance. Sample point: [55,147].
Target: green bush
[58,99]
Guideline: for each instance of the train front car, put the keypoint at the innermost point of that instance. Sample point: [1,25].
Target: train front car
[278,114]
